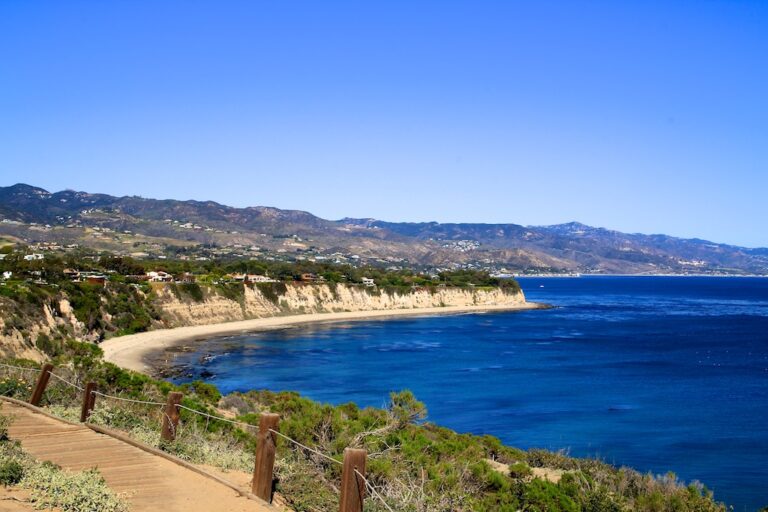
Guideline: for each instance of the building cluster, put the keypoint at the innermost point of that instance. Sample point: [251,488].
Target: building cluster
[86,276]
[461,245]
[250,278]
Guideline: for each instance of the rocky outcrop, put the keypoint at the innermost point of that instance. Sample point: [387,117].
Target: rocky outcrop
[22,337]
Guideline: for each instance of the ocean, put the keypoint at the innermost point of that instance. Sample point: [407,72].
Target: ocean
[656,373]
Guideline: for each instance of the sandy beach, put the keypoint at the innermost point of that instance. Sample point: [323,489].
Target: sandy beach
[133,351]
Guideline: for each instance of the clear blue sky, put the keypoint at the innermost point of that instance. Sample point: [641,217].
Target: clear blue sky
[640,116]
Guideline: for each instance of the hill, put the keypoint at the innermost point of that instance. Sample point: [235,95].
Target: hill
[206,229]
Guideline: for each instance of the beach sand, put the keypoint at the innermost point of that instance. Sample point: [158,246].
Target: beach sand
[135,350]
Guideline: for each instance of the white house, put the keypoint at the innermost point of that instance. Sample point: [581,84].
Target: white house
[159,277]
[7,274]
[32,257]
[255,278]
[368,282]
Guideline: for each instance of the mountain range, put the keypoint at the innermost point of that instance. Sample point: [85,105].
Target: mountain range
[149,227]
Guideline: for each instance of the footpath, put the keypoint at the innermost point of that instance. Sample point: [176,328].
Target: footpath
[148,482]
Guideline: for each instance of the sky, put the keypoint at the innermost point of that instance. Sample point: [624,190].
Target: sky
[640,116]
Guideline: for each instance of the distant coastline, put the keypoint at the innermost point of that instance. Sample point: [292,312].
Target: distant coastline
[136,351]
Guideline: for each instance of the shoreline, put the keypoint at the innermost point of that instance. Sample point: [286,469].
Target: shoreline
[133,351]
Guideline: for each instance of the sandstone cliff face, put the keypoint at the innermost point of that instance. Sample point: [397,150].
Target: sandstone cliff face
[318,298]
[20,341]
[25,333]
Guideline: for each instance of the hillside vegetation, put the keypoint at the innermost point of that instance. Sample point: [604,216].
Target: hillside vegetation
[47,301]
[415,465]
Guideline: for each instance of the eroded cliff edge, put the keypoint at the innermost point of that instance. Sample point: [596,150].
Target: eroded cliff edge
[37,327]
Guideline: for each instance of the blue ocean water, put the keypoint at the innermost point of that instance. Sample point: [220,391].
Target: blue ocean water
[657,373]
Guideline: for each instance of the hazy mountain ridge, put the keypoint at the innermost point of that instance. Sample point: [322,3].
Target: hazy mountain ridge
[70,216]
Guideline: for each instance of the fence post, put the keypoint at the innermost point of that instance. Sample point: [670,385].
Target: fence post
[352,485]
[42,382]
[171,416]
[265,456]
[89,401]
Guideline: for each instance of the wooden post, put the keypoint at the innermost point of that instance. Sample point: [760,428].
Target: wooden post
[352,485]
[171,416]
[89,401]
[42,382]
[266,443]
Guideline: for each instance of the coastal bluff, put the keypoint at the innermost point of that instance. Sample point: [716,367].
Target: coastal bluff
[38,329]
[298,298]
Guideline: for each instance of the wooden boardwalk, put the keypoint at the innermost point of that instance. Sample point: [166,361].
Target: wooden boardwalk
[149,482]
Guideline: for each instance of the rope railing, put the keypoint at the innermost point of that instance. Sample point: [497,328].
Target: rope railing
[321,454]
[353,465]
[373,490]
[22,368]
[121,399]
[303,446]
[65,381]
[217,418]
[368,484]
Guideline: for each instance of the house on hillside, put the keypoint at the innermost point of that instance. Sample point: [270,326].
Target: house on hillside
[368,282]
[159,277]
[255,278]
[71,274]
[96,279]
[91,277]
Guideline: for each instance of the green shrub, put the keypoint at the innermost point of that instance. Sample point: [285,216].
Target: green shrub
[193,290]
[232,291]
[5,422]
[272,291]
[15,387]
[70,492]
[85,356]
[48,346]
[206,392]
[11,472]
[520,470]
[542,496]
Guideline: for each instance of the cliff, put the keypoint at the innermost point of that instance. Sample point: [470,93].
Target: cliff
[179,309]
[28,332]
[37,323]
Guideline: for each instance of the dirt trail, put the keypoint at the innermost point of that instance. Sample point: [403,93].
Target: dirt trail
[149,482]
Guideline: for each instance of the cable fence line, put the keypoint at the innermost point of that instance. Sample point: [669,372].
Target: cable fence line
[368,484]
[131,400]
[65,381]
[373,490]
[218,418]
[35,370]
[316,452]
